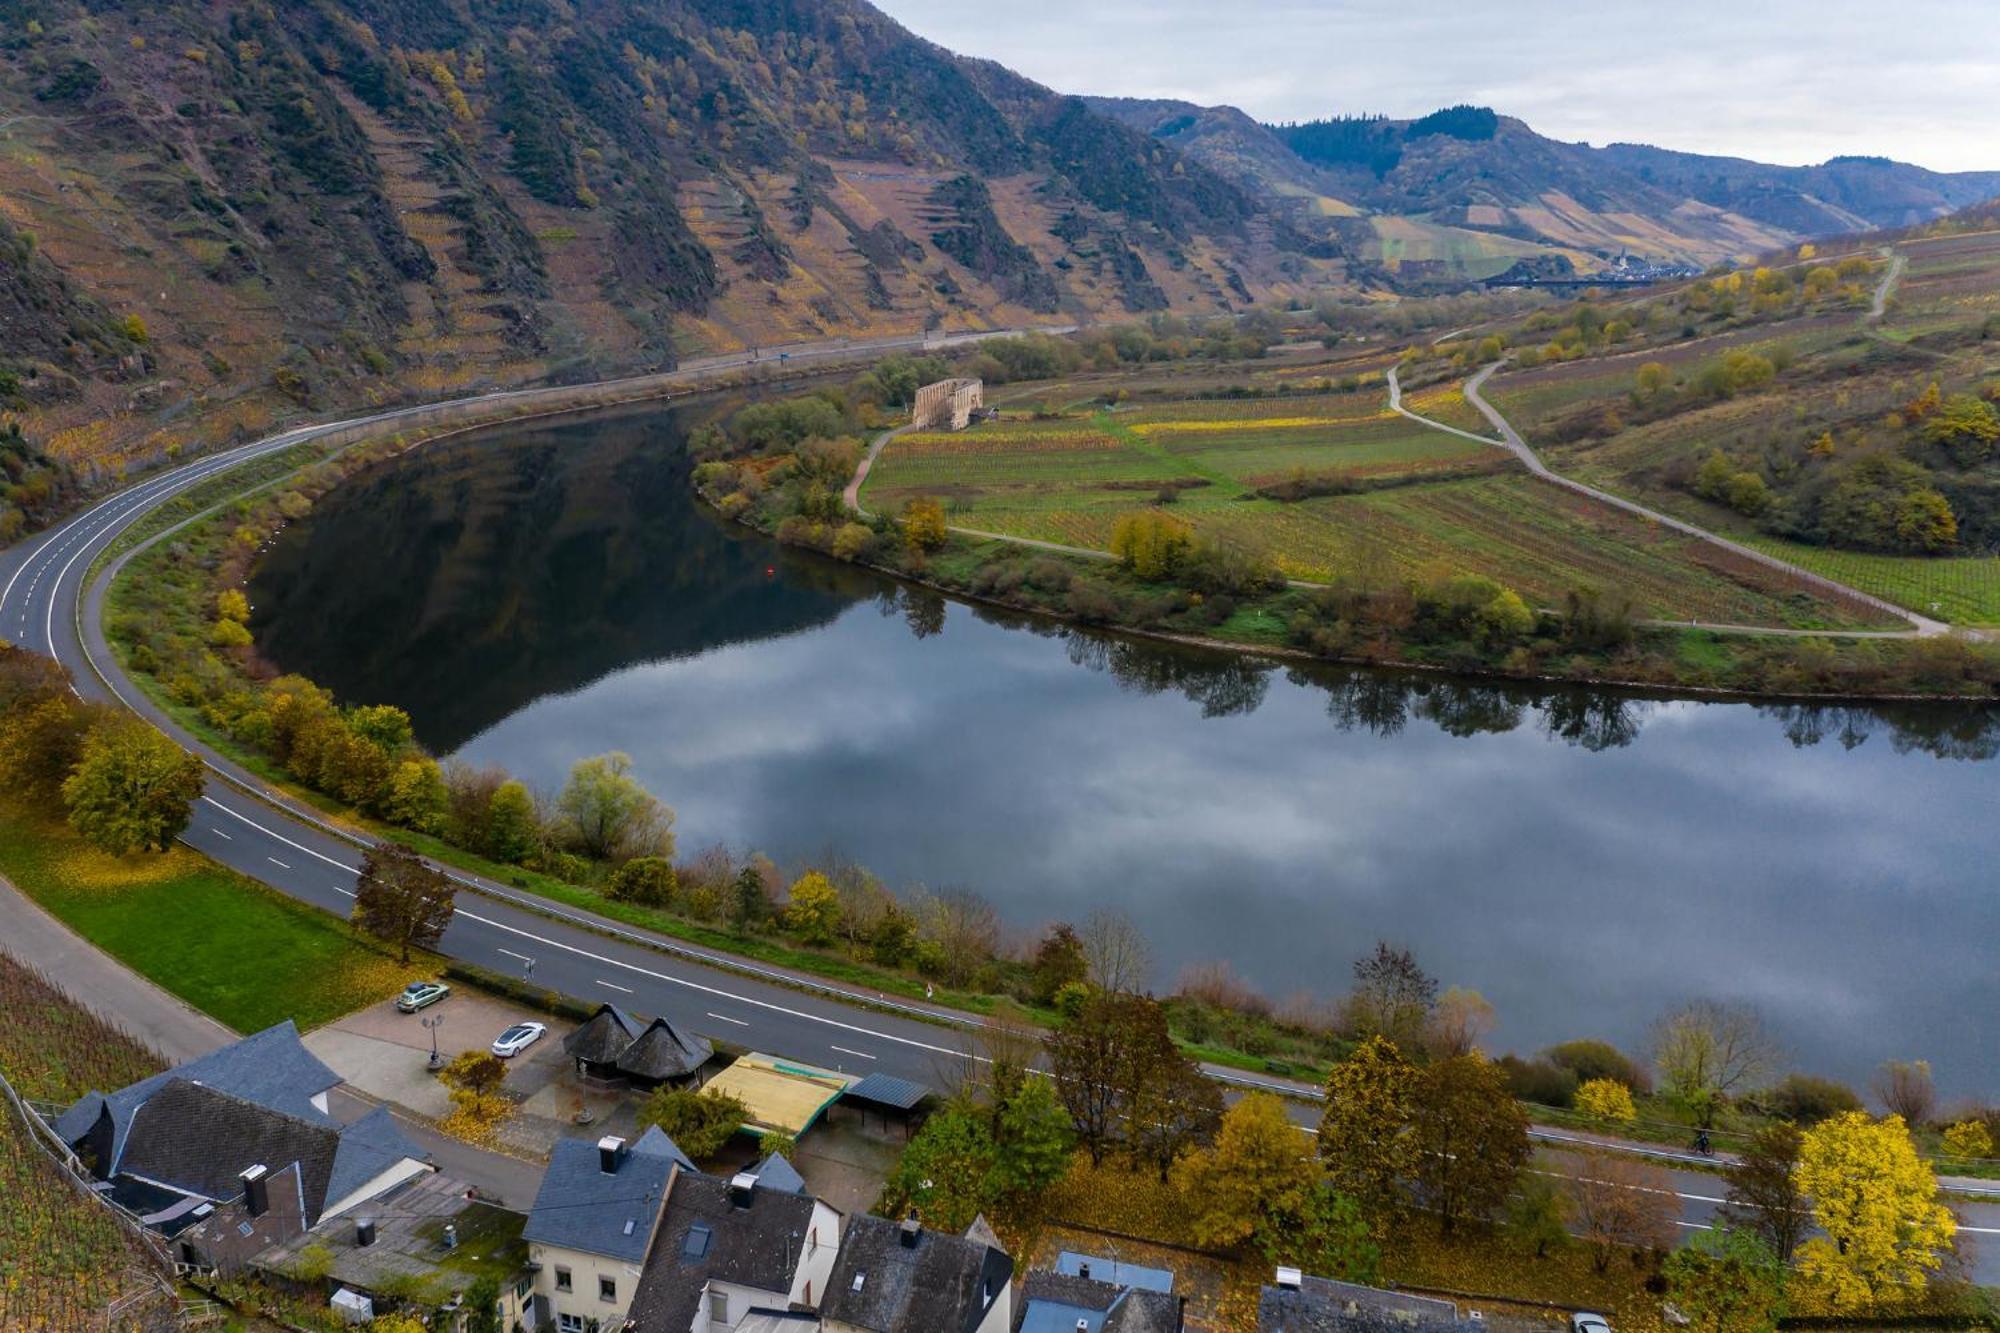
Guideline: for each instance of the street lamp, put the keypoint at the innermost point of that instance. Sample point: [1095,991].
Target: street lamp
[433,1023]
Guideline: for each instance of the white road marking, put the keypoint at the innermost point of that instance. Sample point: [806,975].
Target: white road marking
[725,1018]
[276,862]
[845,1050]
[612,985]
[220,834]
[511,954]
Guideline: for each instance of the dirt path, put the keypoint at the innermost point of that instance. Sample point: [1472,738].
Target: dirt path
[1897,263]
[1510,439]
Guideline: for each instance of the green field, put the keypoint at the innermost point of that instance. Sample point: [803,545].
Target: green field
[1964,591]
[228,946]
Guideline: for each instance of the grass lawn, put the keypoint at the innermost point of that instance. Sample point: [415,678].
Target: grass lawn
[230,947]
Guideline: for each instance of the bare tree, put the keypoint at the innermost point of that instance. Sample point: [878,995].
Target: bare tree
[1621,1202]
[1392,997]
[963,926]
[1764,1194]
[1706,1050]
[1905,1088]
[1116,952]
[1462,1019]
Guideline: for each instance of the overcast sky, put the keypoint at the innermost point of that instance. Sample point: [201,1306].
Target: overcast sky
[1792,81]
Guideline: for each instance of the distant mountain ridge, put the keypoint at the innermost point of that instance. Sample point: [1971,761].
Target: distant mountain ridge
[1461,182]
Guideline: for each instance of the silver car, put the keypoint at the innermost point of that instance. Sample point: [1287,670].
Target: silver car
[1585,1322]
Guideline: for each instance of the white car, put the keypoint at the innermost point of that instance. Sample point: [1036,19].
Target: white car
[1586,1322]
[518,1038]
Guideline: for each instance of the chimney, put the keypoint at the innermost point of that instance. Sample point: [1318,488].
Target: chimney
[1180,1316]
[1083,1270]
[451,1235]
[256,1191]
[1083,1326]
[740,1186]
[610,1154]
[912,1230]
[1290,1278]
[364,1232]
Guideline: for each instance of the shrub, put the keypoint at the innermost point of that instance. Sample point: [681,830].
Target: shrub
[1607,1099]
[699,1122]
[1968,1138]
[1807,1099]
[474,1071]
[1540,1081]
[1591,1059]
[645,879]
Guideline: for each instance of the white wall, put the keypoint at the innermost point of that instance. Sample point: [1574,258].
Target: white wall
[585,1269]
[394,1176]
[816,1255]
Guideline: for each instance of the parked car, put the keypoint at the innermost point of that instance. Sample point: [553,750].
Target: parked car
[518,1038]
[421,994]
[1585,1322]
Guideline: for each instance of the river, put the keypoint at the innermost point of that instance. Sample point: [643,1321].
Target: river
[1586,859]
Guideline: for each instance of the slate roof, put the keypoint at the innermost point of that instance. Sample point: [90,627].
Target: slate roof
[945,1284]
[368,1147]
[888,1090]
[604,1038]
[1320,1305]
[757,1247]
[200,1140]
[579,1207]
[1055,1302]
[1109,1270]
[775,1173]
[272,1069]
[663,1052]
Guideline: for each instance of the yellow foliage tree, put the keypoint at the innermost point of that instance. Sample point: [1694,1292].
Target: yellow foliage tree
[1150,543]
[1370,1098]
[231,604]
[1260,1166]
[1876,1200]
[815,907]
[923,524]
[1607,1099]
[1969,1138]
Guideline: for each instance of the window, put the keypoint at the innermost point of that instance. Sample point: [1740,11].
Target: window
[562,1280]
[607,1290]
[523,1290]
[569,1323]
[718,1307]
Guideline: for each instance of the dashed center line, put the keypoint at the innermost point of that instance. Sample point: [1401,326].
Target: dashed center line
[220,834]
[612,985]
[276,862]
[848,1051]
[725,1018]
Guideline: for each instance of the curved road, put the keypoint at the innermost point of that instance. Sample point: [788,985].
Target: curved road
[47,604]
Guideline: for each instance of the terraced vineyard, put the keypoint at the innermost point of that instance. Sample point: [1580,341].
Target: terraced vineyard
[1964,591]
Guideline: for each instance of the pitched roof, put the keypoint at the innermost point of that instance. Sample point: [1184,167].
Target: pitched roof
[199,1140]
[705,1235]
[775,1173]
[580,1207]
[368,1147]
[1109,1270]
[662,1052]
[1056,1302]
[272,1069]
[942,1284]
[888,1090]
[604,1038]
[1320,1305]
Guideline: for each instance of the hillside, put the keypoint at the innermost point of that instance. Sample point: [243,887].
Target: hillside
[337,201]
[1462,192]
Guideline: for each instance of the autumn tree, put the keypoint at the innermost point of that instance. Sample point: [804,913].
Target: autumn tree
[1364,1136]
[699,1123]
[1392,997]
[1536,1216]
[1151,544]
[1032,1141]
[1705,1051]
[1619,1202]
[647,880]
[1726,1281]
[814,909]
[1259,1168]
[924,526]
[606,810]
[1969,1138]
[1607,1099]
[1764,1196]
[1876,1201]
[748,903]
[402,899]
[132,789]
[417,795]
[1059,960]
[1325,1235]
[1461,1020]
[512,829]
[1174,1106]
[1113,1062]
[1471,1138]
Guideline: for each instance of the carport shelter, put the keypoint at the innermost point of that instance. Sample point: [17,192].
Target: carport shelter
[783,1097]
[888,1096]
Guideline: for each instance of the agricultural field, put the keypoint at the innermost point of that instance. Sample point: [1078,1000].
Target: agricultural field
[1446,404]
[1364,492]
[63,1258]
[231,947]
[1963,591]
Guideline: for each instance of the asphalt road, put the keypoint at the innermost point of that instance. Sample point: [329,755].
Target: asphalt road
[46,606]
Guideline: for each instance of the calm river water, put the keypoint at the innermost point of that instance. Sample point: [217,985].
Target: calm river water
[1585,859]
